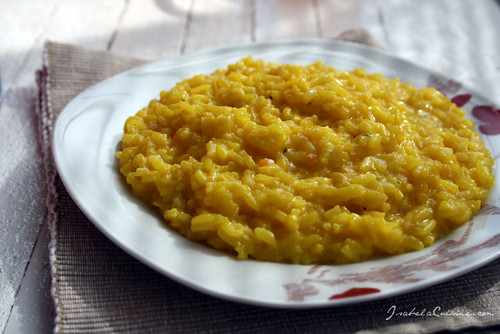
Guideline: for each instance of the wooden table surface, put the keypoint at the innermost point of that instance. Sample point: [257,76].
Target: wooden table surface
[459,38]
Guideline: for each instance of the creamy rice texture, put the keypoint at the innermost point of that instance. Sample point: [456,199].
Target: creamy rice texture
[306,164]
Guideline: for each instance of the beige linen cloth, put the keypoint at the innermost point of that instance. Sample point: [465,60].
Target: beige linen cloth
[97,287]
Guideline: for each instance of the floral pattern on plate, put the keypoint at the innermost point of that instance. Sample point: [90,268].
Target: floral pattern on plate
[439,260]
[488,116]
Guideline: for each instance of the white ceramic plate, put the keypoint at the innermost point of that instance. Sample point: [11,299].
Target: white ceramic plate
[89,129]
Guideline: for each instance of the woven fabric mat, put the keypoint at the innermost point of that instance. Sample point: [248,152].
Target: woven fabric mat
[97,287]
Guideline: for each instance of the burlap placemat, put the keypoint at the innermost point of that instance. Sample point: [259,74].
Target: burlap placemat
[99,288]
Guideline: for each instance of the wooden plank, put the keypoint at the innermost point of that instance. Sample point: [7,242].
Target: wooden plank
[338,16]
[85,23]
[21,174]
[152,29]
[279,19]
[34,310]
[18,35]
[218,22]
[20,219]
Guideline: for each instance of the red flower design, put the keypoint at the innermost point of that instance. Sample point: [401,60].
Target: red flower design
[447,88]
[437,260]
[461,99]
[354,292]
[298,291]
[490,118]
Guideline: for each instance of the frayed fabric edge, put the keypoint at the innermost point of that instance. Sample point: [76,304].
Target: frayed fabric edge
[45,132]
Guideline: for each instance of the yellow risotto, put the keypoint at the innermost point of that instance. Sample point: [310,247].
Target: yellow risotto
[306,164]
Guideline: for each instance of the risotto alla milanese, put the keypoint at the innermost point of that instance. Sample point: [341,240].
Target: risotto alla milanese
[306,164]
